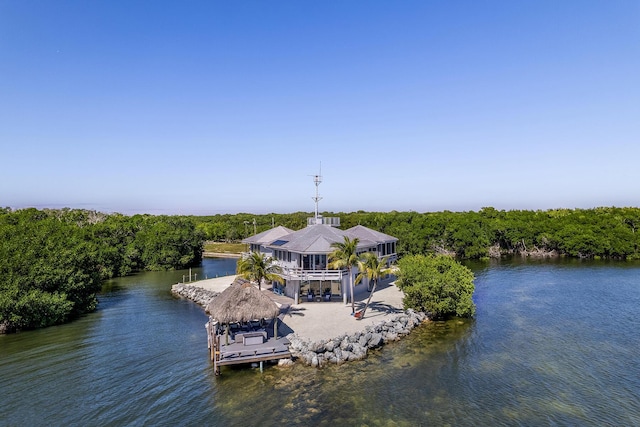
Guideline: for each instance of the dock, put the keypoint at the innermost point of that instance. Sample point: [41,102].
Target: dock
[244,345]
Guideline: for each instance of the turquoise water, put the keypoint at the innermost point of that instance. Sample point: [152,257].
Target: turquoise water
[553,343]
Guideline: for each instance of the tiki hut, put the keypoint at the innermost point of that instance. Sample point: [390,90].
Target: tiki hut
[242,302]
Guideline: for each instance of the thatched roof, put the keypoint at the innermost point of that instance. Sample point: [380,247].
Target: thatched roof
[242,302]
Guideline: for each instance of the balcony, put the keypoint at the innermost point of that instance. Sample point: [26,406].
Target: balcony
[303,275]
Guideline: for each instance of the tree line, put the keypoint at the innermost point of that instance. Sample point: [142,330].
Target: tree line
[605,232]
[52,262]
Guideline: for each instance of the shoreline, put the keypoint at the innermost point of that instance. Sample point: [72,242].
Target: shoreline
[220,255]
[321,332]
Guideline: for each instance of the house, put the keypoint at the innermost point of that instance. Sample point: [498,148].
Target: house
[303,254]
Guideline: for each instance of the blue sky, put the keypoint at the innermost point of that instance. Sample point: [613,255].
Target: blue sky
[205,107]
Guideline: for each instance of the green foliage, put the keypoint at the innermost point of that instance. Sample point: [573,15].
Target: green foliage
[52,261]
[372,268]
[257,267]
[436,284]
[344,255]
[585,233]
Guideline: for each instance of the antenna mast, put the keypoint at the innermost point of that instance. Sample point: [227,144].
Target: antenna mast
[317,179]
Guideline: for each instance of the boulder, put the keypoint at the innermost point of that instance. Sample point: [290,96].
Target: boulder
[375,340]
[346,344]
[285,362]
[329,346]
[364,339]
[317,346]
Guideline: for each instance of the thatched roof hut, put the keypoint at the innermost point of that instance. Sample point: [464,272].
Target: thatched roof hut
[242,302]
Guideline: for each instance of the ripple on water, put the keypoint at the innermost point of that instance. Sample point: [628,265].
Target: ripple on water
[551,344]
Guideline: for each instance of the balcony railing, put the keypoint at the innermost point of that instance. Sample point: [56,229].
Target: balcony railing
[301,274]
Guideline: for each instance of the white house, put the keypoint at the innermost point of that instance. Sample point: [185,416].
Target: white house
[303,255]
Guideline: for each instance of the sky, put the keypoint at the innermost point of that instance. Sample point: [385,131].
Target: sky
[209,107]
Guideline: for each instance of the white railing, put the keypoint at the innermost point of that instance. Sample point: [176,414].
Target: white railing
[330,220]
[301,274]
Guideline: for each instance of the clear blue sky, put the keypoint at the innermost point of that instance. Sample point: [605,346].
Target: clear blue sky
[204,107]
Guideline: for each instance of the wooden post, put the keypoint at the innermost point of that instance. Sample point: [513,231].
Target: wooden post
[207,326]
[216,358]
[275,328]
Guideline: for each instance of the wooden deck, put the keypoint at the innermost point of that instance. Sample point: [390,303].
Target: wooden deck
[248,345]
[235,353]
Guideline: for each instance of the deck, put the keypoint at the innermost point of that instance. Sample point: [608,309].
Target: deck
[237,352]
[251,343]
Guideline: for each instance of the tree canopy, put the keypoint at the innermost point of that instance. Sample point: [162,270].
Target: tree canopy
[436,284]
[52,262]
[606,232]
[344,255]
[257,267]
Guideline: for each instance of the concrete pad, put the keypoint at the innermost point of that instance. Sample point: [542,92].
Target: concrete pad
[217,284]
[325,320]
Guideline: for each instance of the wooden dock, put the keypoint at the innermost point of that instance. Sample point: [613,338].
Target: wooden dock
[244,347]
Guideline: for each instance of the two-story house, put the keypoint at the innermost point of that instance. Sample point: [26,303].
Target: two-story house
[303,256]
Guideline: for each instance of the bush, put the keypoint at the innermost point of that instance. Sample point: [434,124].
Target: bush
[438,285]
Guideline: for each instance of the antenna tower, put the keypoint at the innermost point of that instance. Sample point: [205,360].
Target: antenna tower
[317,179]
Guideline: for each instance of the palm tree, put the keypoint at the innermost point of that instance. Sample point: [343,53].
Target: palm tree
[344,256]
[257,267]
[373,268]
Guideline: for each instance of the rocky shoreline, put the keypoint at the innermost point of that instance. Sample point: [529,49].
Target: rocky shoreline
[346,348]
[338,350]
[198,295]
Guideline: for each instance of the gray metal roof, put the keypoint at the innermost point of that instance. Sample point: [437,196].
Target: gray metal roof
[366,234]
[317,239]
[266,237]
[311,239]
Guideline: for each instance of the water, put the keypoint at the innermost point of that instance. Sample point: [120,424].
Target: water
[553,343]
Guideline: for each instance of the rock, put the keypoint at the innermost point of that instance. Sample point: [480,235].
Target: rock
[364,339]
[329,346]
[390,336]
[317,347]
[198,295]
[308,358]
[285,362]
[339,355]
[375,340]
[346,345]
[296,343]
[358,352]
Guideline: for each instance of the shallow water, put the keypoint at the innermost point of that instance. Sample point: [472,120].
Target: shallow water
[553,343]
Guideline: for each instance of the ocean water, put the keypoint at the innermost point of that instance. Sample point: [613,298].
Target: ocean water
[553,343]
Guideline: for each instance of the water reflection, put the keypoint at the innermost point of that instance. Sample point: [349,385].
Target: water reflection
[552,343]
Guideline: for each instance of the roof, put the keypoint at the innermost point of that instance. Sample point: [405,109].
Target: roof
[242,302]
[364,233]
[318,238]
[266,237]
[311,239]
